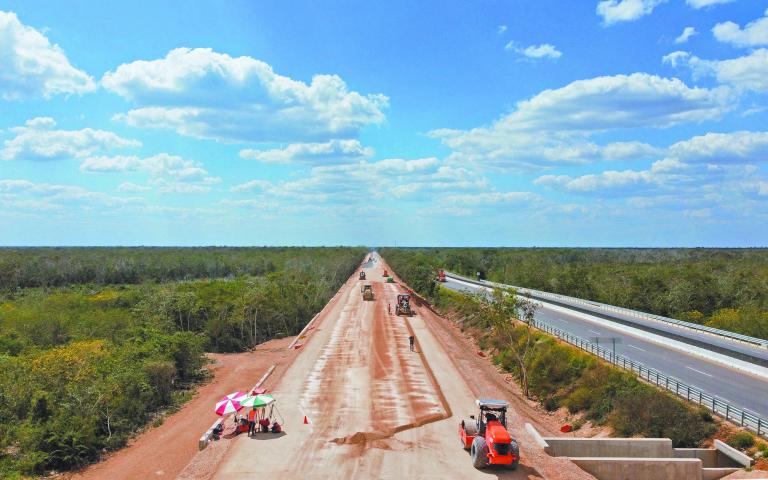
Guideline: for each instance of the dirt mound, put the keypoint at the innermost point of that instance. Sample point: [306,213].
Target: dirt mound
[363,438]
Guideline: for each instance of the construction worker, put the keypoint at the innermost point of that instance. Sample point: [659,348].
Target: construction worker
[388,309]
[410,341]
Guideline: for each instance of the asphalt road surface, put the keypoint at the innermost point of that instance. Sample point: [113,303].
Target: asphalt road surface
[739,388]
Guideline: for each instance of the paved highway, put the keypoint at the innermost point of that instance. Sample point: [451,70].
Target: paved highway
[739,388]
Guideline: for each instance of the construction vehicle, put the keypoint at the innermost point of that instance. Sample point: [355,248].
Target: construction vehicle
[367,291]
[441,275]
[486,437]
[403,306]
[362,275]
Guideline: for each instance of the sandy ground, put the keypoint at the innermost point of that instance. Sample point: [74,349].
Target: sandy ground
[163,452]
[376,409]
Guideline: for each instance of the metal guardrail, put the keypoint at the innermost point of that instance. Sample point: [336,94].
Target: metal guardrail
[717,405]
[626,311]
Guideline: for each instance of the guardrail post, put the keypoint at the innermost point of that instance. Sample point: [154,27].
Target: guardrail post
[742,418]
[759,424]
[727,410]
[700,402]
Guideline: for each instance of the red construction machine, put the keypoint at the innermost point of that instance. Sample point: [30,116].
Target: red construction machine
[385,274]
[487,438]
[441,275]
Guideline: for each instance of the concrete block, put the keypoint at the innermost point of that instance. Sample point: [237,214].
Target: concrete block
[537,438]
[641,468]
[716,473]
[610,447]
[733,454]
[708,456]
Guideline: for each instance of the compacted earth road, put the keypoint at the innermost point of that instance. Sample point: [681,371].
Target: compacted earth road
[376,409]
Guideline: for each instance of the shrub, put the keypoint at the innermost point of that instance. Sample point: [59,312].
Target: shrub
[741,440]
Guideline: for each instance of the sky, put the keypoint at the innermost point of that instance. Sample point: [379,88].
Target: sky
[618,123]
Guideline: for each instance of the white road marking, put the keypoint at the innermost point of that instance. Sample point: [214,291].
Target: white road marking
[637,348]
[596,333]
[698,371]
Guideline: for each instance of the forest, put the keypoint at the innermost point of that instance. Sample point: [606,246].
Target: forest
[97,343]
[722,288]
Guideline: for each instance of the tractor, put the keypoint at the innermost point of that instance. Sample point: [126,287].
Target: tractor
[403,306]
[441,276]
[362,275]
[487,438]
[367,292]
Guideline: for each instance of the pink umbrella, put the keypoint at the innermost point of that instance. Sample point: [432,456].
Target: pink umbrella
[230,403]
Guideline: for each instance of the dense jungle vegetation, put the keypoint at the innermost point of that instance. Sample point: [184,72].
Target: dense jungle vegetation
[722,288]
[96,342]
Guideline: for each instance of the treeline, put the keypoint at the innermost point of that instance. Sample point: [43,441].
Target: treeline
[723,288]
[83,366]
[60,266]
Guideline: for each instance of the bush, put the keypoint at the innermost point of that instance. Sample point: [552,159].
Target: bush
[741,440]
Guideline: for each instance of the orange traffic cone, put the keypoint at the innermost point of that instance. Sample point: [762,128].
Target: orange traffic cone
[306,422]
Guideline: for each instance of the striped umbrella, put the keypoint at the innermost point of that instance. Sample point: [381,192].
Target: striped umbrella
[257,401]
[230,403]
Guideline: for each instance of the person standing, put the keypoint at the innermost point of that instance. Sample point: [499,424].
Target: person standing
[251,422]
[411,341]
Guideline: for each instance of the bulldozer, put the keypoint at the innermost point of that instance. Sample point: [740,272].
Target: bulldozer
[403,306]
[367,291]
[362,275]
[486,437]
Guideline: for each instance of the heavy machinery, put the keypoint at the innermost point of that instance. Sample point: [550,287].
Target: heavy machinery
[362,275]
[441,275]
[487,438]
[403,306]
[367,292]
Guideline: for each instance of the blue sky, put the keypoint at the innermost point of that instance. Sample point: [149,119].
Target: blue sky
[517,123]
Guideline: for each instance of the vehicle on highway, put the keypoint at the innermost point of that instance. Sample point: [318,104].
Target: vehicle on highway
[362,275]
[403,306]
[441,276]
[487,438]
[367,291]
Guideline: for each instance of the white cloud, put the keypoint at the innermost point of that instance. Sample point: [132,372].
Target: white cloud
[327,152]
[31,67]
[749,72]
[161,164]
[204,94]
[754,34]
[492,198]
[697,4]
[39,140]
[615,11]
[553,127]
[129,187]
[723,148]
[608,180]
[545,50]
[501,29]
[55,195]
[688,32]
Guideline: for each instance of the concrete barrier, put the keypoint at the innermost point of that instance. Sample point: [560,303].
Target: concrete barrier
[537,438]
[609,447]
[632,468]
[735,455]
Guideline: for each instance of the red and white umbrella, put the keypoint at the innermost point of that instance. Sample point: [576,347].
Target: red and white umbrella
[230,403]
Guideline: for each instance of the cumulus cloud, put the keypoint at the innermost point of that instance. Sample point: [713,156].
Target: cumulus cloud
[501,29]
[749,72]
[168,173]
[492,198]
[608,180]
[545,50]
[31,67]
[615,11]
[205,94]
[332,151]
[57,194]
[723,148]
[697,4]
[39,140]
[553,127]
[688,32]
[754,34]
